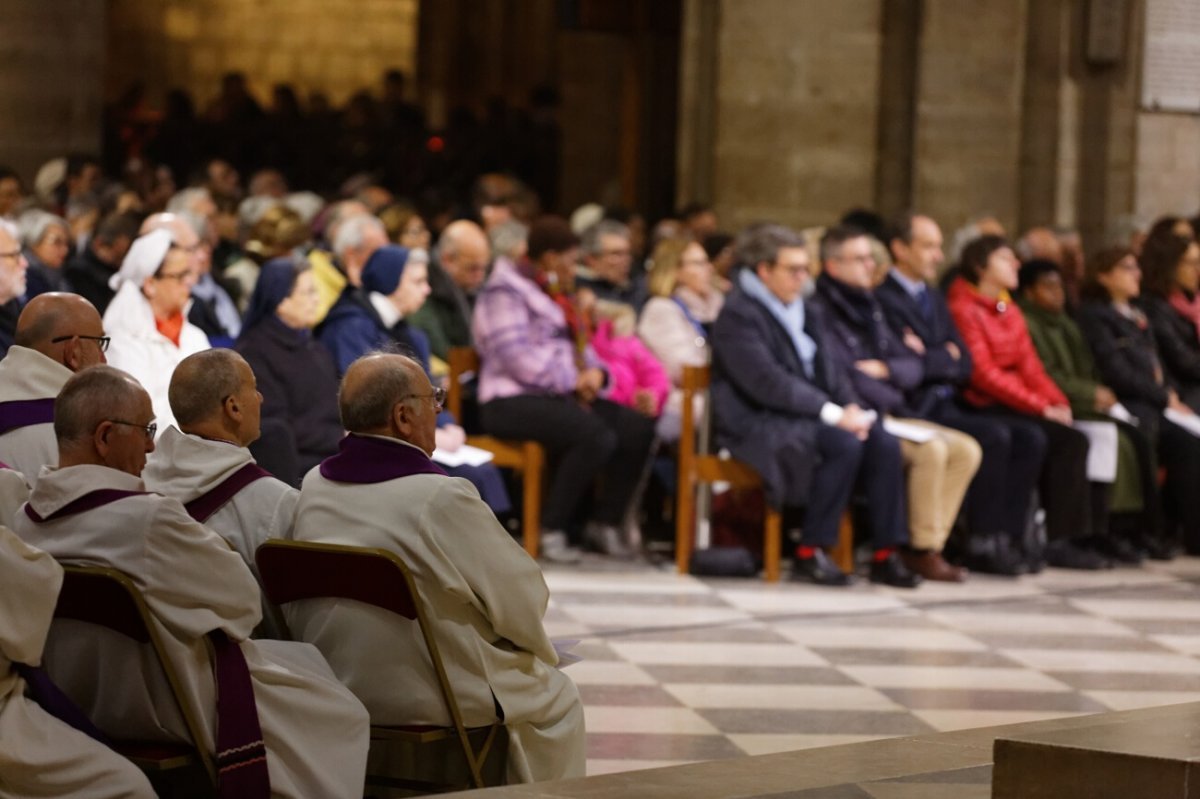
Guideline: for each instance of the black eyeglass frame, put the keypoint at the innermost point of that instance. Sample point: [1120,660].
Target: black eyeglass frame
[148,429]
[102,341]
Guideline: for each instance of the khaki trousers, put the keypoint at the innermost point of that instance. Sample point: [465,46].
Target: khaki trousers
[939,472]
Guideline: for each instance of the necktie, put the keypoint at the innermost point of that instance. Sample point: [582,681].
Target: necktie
[925,304]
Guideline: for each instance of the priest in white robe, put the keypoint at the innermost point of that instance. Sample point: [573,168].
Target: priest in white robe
[41,755]
[93,508]
[13,493]
[57,335]
[485,595]
[205,463]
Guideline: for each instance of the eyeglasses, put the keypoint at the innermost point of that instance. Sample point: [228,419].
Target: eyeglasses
[438,396]
[148,429]
[101,341]
[862,259]
[180,276]
[193,248]
[16,254]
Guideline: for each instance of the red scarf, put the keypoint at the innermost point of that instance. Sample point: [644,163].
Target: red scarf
[171,327]
[579,324]
[1188,308]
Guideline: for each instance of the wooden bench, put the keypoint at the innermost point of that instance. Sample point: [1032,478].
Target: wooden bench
[527,458]
[701,467]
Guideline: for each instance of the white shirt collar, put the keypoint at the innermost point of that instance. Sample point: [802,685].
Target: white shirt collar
[913,287]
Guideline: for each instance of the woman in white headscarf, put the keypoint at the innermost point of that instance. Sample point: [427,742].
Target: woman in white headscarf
[147,318]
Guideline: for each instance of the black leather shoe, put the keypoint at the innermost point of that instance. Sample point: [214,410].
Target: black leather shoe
[1118,549]
[1158,549]
[893,572]
[1069,555]
[819,569]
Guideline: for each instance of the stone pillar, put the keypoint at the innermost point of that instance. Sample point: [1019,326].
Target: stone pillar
[51,91]
[797,105]
[968,118]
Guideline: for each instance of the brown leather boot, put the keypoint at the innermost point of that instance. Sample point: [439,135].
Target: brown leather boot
[932,566]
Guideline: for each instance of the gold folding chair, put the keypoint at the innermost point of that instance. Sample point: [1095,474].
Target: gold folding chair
[294,570]
[527,458]
[697,467]
[108,598]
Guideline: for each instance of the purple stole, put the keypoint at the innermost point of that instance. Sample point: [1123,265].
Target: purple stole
[241,752]
[52,700]
[16,414]
[208,503]
[363,459]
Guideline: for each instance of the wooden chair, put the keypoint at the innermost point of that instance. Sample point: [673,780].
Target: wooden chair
[108,598]
[701,467]
[294,570]
[527,458]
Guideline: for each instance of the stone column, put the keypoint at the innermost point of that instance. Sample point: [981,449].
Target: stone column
[51,90]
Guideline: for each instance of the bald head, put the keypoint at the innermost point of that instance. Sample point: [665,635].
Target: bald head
[214,394]
[69,317]
[100,418]
[464,253]
[372,386]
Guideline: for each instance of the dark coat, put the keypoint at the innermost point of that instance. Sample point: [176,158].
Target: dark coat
[860,333]
[1060,344]
[941,376]
[1178,346]
[1126,357]
[766,408]
[89,277]
[446,315]
[9,313]
[299,383]
[40,278]
[352,328]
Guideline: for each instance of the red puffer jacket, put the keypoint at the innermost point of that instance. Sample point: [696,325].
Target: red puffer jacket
[1007,368]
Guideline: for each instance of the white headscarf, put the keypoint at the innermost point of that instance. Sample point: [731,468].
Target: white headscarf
[144,258]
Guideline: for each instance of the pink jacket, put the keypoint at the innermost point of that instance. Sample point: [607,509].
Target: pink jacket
[631,367]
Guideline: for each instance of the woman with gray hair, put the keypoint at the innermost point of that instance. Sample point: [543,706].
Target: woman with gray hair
[46,240]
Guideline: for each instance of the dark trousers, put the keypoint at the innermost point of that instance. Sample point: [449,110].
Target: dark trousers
[1013,451]
[876,467]
[1179,452]
[585,441]
[1070,502]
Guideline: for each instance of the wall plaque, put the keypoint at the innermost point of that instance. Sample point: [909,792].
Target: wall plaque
[1171,59]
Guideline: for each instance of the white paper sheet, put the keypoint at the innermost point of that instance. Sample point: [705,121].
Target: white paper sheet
[1122,414]
[908,432]
[1188,421]
[464,455]
[1102,450]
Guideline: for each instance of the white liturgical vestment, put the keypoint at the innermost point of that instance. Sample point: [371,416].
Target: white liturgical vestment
[26,374]
[13,493]
[316,732]
[484,595]
[40,755]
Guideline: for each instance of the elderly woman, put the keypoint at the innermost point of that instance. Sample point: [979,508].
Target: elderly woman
[147,319]
[46,240]
[1170,263]
[1121,338]
[296,373]
[678,317]
[1009,382]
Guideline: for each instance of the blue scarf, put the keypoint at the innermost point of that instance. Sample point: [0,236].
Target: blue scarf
[791,316]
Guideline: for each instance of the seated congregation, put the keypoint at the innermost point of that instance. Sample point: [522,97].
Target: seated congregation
[1028,415]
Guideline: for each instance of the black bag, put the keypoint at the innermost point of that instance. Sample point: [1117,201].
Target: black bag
[723,562]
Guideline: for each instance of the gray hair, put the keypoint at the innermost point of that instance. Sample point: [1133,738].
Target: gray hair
[353,232]
[188,199]
[508,238]
[370,407]
[590,243]
[33,225]
[201,382]
[761,243]
[91,396]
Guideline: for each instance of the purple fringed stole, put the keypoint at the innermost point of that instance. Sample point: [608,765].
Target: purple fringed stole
[16,414]
[241,752]
[205,505]
[52,700]
[363,459]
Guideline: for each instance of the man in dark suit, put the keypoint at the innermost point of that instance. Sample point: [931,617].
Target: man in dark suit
[917,313]
[783,407]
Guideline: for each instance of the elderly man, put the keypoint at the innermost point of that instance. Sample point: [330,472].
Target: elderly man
[918,316]
[57,335]
[90,271]
[785,406]
[94,508]
[382,490]
[43,756]
[205,464]
[940,461]
[462,262]
[608,258]
[13,266]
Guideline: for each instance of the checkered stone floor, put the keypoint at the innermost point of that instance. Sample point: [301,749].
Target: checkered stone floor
[679,669]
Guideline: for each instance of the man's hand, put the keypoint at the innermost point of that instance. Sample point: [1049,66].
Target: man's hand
[1058,413]
[873,368]
[913,341]
[645,403]
[589,383]
[1105,398]
[954,351]
[855,421]
[450,437]
[1176,404]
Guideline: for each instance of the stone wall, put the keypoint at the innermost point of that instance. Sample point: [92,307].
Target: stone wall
[335,48]
[52,57]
